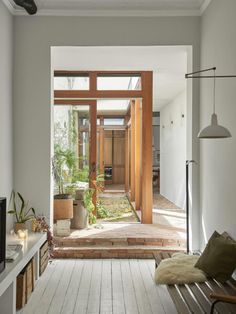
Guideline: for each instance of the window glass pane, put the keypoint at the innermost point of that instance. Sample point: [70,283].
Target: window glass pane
[114,121]
[71,83]
[118,82]
[71,147]
[112,105]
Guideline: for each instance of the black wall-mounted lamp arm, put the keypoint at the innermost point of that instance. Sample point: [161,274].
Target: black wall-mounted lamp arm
[193,74]
[29,6]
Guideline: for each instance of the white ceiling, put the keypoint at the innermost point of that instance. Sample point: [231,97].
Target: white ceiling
[169,65]
[115,7]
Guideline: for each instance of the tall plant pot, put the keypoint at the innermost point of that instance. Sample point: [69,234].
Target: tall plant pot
[80,218]
[63,208]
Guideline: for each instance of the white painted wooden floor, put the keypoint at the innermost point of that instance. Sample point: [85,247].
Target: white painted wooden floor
[99,287]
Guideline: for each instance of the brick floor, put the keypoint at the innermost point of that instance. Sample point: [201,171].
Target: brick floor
[120,241]
[128,240]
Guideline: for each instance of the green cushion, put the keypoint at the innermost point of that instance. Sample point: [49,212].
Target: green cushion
[218,260]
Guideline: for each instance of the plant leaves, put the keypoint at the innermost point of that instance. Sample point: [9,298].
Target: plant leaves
[23,213]
[11,212]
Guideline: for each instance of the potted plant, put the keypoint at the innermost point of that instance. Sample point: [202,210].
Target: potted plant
[21,210]
[39,224]
[63,164]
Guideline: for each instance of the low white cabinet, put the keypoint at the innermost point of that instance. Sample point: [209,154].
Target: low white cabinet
[31,248]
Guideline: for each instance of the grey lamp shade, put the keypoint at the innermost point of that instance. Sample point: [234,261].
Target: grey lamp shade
[214,130]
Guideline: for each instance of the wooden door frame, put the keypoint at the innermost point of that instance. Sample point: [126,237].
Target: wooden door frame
[138,148]
[146,94]
[132,151]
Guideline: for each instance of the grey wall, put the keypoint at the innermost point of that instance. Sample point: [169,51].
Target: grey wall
[218,162]
[33,38]
[173,150]
[6,50]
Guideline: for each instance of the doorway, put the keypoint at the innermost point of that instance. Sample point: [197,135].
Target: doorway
[117,167]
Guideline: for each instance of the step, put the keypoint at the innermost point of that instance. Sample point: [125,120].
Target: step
[136,251]
[109,242]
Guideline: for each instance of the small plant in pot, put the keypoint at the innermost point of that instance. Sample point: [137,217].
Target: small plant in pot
[21,211]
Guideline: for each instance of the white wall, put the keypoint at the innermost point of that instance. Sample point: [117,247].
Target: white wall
[32,103]
[173,150]
[6,180]
[218,157]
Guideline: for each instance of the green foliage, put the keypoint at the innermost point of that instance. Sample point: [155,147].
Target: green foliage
[100,182]
[73,133]
[20,209]
[71,189]
[64,166]
[81,175]
[88,203]
[102,212]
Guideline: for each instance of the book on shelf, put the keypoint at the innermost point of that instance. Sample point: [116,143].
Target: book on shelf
[13,251]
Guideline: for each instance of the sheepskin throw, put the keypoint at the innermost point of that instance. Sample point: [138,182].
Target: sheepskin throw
[179,269]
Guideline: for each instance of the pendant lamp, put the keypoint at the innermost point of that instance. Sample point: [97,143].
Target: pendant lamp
[214,130]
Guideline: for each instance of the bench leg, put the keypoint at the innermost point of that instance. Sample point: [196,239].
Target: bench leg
[213,306]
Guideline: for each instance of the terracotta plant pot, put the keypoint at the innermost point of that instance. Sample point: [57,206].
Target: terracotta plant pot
[63,209]
[19,226]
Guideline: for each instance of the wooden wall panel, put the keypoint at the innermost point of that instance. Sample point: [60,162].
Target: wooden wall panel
[118,174]
[119,158]
[119,151]
[108,151]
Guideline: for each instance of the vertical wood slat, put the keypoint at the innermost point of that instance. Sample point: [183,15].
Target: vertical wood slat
[132,194]
[137,154]
[127,160]
[93,81]
[147,194]
[101,150]
[93,148]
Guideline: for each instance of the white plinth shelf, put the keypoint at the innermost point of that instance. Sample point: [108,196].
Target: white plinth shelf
[30,249]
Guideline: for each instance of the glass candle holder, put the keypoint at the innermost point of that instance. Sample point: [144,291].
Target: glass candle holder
[22,234]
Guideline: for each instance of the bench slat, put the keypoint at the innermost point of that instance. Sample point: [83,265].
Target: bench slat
[202,299]
[190,299]
[178,300]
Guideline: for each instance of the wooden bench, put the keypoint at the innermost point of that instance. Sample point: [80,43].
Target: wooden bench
[199,298]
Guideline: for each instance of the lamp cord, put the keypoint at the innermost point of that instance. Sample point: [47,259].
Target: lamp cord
[214,93]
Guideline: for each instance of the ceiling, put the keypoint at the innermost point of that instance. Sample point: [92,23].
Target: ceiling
[115,7]
[168,63]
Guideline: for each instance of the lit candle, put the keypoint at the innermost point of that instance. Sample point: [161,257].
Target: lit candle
[22,234]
